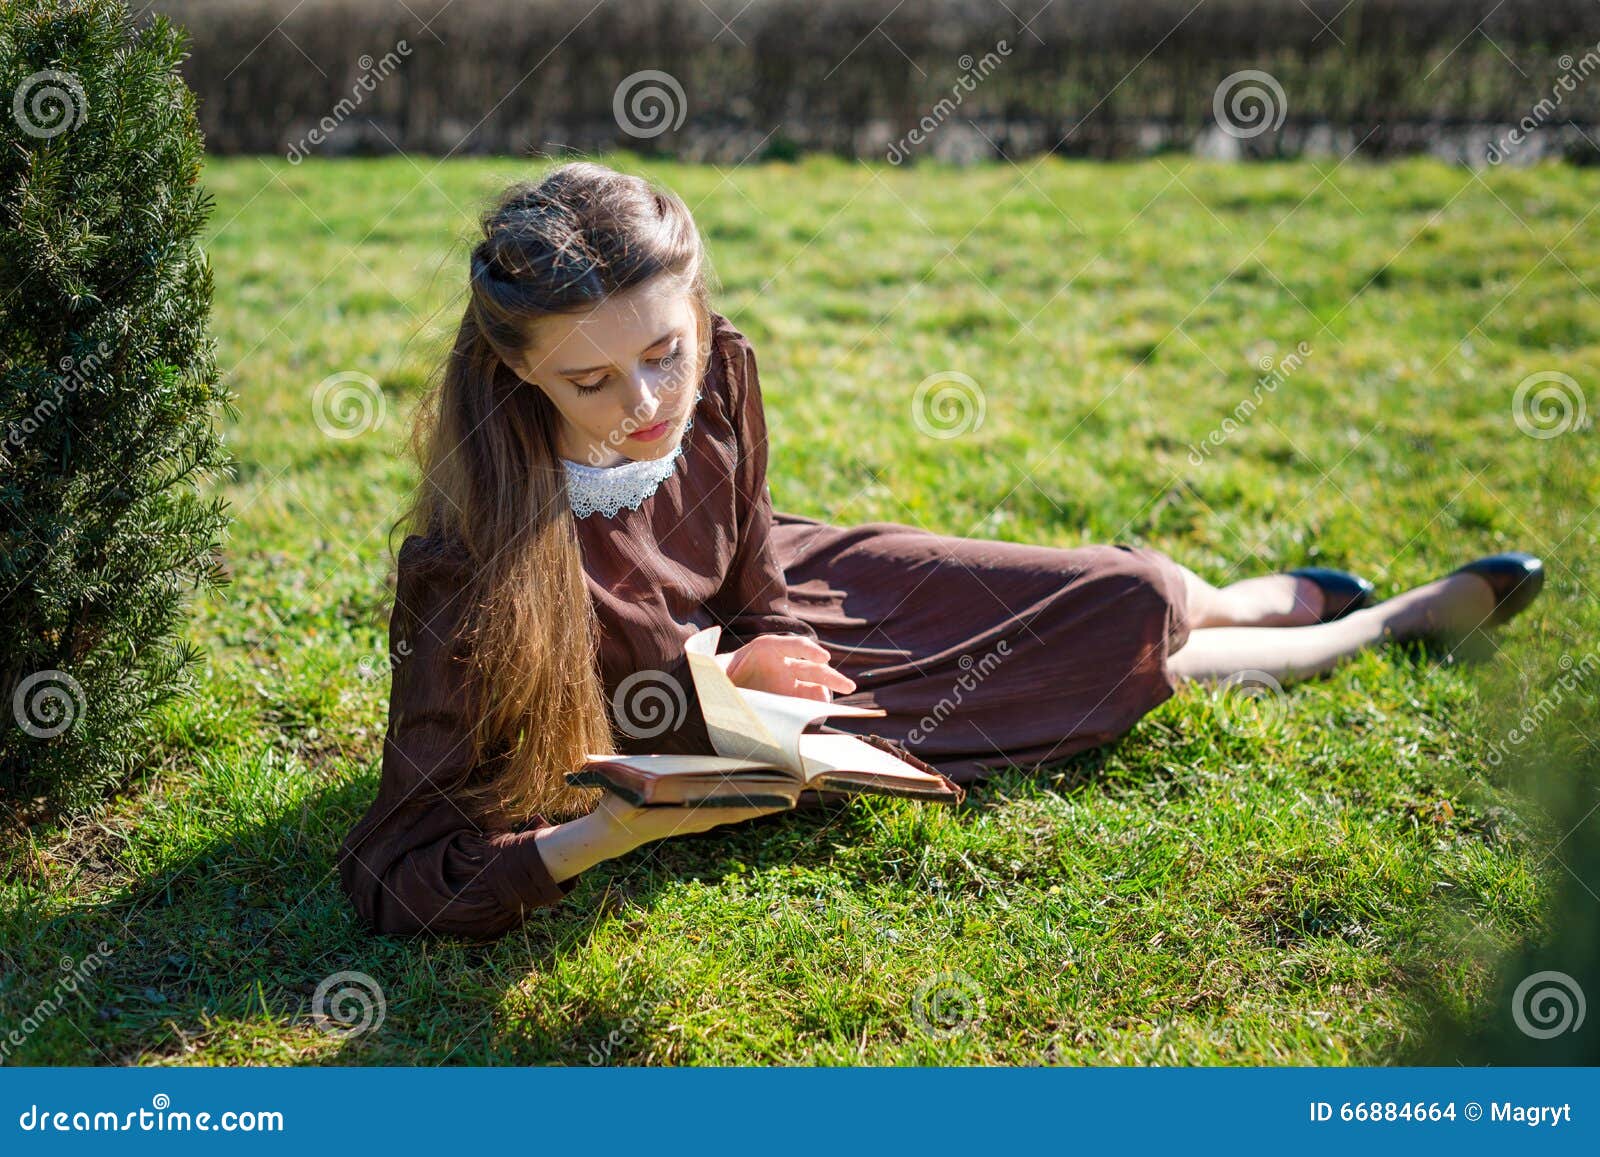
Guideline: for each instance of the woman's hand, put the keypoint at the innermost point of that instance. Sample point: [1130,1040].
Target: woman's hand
[785,665]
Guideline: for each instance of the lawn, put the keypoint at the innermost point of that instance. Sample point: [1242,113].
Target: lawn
[1280,881]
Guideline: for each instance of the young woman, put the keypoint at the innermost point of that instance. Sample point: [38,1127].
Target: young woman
[593,491]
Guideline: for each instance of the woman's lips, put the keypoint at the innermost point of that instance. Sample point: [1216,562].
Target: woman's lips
[651,433]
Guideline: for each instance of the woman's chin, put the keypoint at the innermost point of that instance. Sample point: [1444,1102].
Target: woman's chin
[637,451]
[627,449]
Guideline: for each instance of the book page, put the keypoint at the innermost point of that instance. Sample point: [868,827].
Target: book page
[825,753]
[756,725]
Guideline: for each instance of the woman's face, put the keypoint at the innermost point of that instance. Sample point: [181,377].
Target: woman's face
[622,374]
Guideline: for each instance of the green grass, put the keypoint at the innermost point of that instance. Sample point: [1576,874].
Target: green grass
[1299,889]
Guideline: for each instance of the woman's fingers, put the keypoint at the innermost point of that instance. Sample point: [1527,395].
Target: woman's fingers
[804,670]
[812,691]
[815,649]
[799,646]
[789,665]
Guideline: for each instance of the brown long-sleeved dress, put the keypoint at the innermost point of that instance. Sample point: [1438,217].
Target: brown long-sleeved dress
[983,653]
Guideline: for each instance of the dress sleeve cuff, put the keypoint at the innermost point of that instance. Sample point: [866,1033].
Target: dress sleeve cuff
[521,878]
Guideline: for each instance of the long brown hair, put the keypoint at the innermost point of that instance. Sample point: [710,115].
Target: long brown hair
[492,480]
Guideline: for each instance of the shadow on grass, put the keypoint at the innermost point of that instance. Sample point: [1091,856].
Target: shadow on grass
[229,939]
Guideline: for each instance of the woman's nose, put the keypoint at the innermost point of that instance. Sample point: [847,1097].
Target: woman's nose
[644,406]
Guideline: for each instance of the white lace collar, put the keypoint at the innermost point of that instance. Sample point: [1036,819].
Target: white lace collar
[607,489]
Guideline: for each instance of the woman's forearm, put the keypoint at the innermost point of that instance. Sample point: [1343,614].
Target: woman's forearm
[578,845]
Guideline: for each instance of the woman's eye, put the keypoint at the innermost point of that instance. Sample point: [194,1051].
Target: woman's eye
[664,362]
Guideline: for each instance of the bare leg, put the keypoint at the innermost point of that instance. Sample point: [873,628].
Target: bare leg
[1274,600]
[1449,606]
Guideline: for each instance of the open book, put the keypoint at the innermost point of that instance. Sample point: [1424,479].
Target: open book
[765,756]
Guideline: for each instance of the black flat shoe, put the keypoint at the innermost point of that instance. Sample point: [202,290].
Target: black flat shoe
[1342,592]
[1516,577]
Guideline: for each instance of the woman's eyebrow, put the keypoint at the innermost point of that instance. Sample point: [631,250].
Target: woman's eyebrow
[671,333]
